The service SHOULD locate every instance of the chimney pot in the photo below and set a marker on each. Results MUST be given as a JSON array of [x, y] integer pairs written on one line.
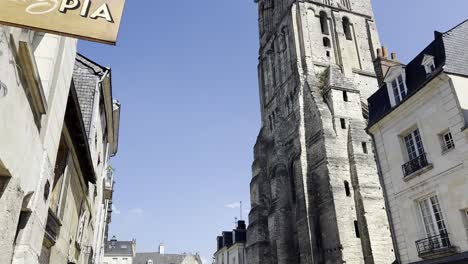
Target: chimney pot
[[379, 53], [385, 52], [394, 56], [161, 249]]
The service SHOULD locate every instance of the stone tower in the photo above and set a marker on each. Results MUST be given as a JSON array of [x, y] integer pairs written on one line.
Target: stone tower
[[315, 192]]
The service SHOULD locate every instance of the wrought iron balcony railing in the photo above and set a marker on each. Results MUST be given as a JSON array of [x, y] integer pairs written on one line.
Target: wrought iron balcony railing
[[414, 165], [433, 245]]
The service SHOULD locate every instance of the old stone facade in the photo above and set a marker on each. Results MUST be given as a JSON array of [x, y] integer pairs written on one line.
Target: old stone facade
[[419, 120], [54, 190], [315, 192]]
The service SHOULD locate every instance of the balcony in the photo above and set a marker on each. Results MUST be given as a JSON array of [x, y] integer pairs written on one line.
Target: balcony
[[435, 247], [415, 165]]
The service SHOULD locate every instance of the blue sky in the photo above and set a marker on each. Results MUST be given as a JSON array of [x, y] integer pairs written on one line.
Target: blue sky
[[185, 73]]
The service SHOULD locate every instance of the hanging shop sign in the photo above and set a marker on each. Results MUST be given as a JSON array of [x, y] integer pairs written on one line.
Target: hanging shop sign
[[95, 20]]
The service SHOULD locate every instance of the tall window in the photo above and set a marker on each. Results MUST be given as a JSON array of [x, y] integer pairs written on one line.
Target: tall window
[[347, 28], [432, 217], [399, 89], [324, 23], [414, 145]]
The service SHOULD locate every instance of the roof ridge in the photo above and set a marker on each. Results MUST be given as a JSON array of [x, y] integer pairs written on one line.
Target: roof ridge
[[453, 28]]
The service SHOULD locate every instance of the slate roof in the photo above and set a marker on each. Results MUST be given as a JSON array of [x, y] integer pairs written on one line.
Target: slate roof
[[450, 51], [142, 258], [121, 248], [86, 74]]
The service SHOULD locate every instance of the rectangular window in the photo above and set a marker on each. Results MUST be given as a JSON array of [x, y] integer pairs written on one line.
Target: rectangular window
[[447, 141], [399, 89], [432, 217], [356, 229], [343, 123], [413, 143], [345, 96], [364, 147]]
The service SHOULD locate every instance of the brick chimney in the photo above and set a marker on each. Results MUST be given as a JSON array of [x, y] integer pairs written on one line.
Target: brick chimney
[[383, 63]]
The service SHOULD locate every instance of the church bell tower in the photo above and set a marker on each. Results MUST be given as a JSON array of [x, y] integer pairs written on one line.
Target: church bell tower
[[315, 191]]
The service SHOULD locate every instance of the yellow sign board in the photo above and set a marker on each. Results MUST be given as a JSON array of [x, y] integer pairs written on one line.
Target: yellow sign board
[[95, 20]]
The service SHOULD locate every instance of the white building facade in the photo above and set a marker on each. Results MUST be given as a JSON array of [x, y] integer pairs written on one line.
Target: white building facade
[[231, 246], [418, 119]]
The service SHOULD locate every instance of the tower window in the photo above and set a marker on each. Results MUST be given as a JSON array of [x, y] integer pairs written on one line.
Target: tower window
[[324, 23], [347, 189], [326, 42], [345, 96], [343, 123], [328, 53], [356, 229], [364, 147], [347, 28]]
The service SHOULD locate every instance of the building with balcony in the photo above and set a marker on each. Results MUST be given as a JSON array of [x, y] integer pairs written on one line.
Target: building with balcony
[[418, 119], [231, 246]]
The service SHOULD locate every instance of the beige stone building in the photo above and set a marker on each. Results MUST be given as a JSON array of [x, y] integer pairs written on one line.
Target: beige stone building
[[418, 119], [56, 142], [315, 191]]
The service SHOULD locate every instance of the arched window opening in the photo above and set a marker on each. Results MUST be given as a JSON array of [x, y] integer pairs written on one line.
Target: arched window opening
[[326, 42], [347, 189], [324, 23], [347, 28]]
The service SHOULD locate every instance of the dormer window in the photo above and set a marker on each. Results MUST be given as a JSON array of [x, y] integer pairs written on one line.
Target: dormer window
[[399, 89], [428, 64], [396, 84]]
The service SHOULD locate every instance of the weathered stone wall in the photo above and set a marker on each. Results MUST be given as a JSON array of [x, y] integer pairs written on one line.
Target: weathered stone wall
[[311, 143], [28, 151]]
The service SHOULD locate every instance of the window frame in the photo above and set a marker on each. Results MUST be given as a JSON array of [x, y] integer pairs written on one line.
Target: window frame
[[447, 144], [434, 229], [396, 84], [414, 148]]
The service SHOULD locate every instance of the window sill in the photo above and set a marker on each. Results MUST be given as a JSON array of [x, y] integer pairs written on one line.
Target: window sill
[[445, 151], [418, 172]]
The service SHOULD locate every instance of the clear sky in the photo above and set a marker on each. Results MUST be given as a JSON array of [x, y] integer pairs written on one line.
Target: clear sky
[[185, 73]]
